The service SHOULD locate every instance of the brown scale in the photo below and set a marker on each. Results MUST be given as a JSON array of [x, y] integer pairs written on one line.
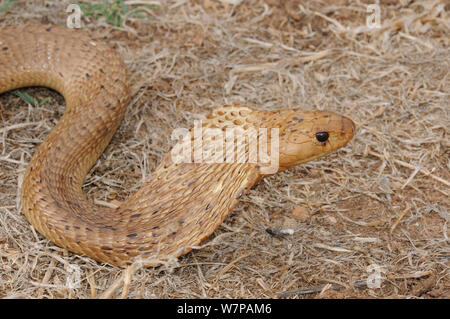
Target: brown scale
[[181, 204]]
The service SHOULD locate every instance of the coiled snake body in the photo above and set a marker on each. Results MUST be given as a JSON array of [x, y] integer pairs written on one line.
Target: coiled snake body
[[182, 203]]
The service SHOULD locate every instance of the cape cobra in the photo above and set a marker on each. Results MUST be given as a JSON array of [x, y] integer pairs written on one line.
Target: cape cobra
[[182, 203]]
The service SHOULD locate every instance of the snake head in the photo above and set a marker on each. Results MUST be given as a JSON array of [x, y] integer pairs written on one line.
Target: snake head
[[306, 135]]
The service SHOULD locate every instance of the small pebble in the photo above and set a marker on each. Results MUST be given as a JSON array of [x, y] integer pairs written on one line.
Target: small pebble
[[300, 213], [331, 219]]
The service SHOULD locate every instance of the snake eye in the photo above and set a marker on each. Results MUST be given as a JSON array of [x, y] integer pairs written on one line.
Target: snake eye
[[322, 136]]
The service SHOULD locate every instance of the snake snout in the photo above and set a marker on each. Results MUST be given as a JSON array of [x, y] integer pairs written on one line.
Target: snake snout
[[347, 129], [340, 130]]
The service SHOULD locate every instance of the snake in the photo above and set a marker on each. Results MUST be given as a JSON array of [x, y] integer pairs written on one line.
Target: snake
[[183, 202]]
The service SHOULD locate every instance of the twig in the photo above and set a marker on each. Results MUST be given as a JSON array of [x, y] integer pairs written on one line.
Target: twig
[[226, 268], [399, 219], [415, 275], [125, 279], [46, 278], [404, 164], [92, 285], [304, 291], [19, 126]]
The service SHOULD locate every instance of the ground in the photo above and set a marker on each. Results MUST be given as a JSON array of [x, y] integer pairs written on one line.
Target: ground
[[370, 221]]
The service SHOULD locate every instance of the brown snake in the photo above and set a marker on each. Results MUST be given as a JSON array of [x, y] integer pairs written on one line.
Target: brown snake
[[182, 203]]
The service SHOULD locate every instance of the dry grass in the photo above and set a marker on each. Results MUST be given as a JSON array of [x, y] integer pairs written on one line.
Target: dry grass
[[383, 200]]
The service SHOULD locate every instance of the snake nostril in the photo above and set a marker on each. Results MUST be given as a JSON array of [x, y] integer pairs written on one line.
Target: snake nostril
[[322, 136]]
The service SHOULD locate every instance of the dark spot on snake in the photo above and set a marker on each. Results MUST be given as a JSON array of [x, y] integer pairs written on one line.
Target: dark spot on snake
[[76, 227], [78, 242], [109, 227], [106, 248], [155, 212], [181, 221], [67, 227], [155, 234], [135, 216], [73, 204], [156, 227], [208, 206], [108, 105], [132, 235], [101, 71], [88, 75], [102, 86], [70, 180], [5, 48], [48, 29], [88, 229]]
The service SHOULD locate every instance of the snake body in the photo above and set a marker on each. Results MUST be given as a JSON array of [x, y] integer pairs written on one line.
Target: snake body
[[182, 203]]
